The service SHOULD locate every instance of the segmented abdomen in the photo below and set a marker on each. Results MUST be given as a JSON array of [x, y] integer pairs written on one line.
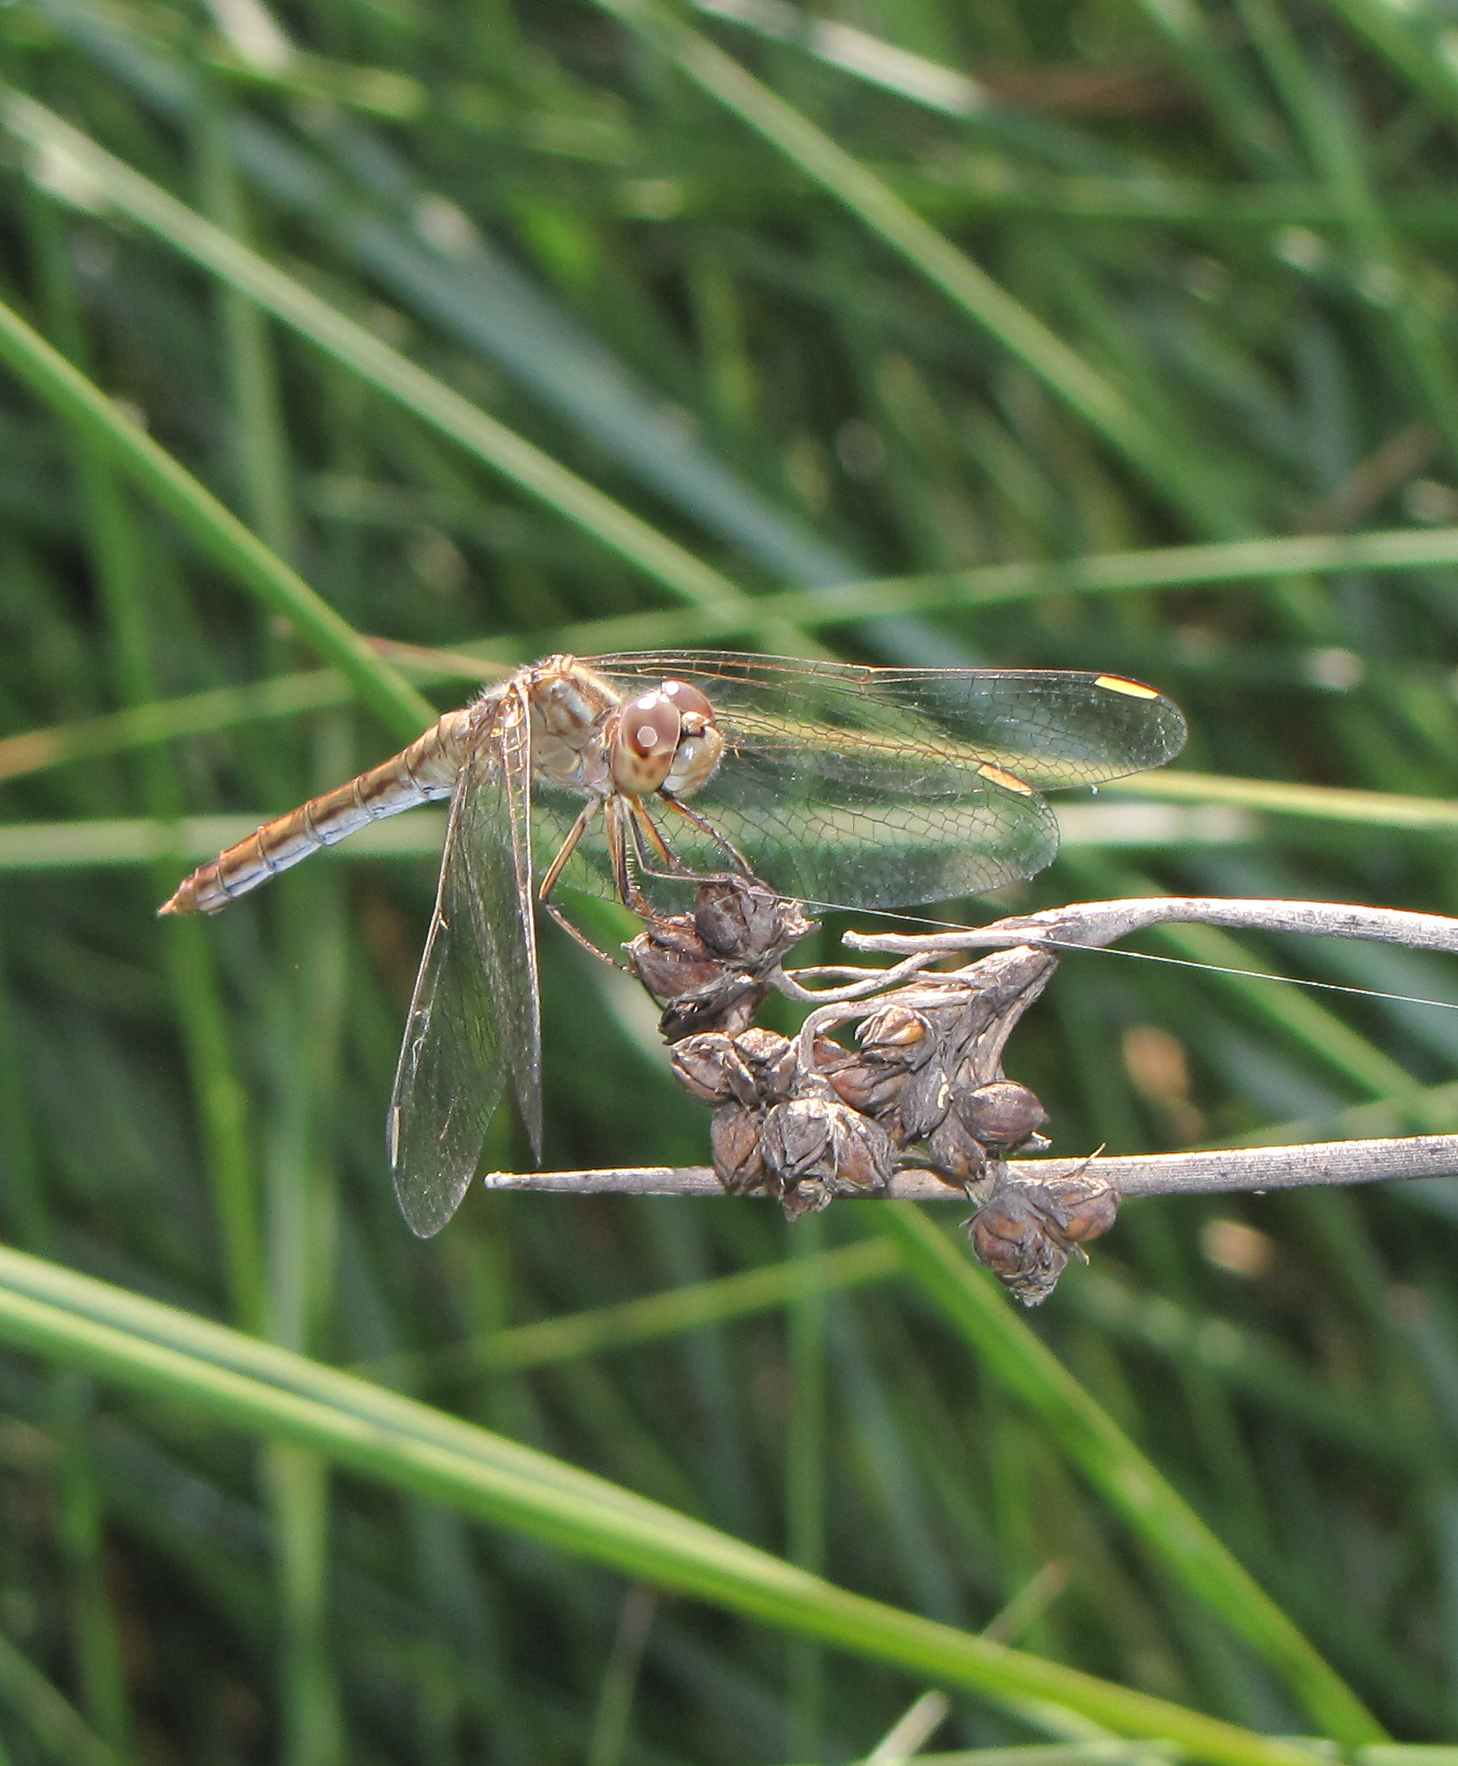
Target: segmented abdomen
[[426, 769]]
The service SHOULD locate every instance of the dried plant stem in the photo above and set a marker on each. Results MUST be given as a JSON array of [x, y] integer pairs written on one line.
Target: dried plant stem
[[1233, 1169], [1101, 922]]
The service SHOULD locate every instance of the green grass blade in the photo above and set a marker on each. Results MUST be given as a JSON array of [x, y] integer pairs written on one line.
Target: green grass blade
[[240, 1383], [219, 534], [1164, 1522]]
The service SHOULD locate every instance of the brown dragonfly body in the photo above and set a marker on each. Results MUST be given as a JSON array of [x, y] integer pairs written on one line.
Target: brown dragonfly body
[[840, 785], [574, 730]]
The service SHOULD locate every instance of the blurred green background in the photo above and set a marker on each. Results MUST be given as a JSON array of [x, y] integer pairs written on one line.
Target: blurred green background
[[1076, 335]]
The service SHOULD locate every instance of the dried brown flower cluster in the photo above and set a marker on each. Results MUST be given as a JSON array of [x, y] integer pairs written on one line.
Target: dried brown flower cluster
[[810, 1119]]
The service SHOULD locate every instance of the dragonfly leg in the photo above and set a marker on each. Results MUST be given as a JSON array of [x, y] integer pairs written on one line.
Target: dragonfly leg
[[676, 870], [568, 847], [554, 871], [581, 937], [631, 896], [646, 833], [705, 826], [645, 847]]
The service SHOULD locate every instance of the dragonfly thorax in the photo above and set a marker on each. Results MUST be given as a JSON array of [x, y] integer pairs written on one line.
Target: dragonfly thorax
[[571, 711]]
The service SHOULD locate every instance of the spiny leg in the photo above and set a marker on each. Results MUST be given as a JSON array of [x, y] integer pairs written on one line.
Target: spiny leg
[[705, 826], [554, 871], [629, 893], [677, 871], [568, 847]]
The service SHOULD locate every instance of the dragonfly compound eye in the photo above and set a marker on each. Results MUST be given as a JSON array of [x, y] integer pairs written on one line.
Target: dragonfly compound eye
[[689, 700], [695, 760], [648, 731], [700, 745]]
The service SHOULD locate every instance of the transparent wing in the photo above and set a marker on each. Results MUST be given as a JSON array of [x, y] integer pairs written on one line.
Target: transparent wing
[[924, 727], [888, 787], [474, 1012], [827, 843], [504, 902]]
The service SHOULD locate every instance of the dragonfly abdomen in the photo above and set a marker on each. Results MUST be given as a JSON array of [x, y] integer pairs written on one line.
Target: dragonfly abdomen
[[425, 770]]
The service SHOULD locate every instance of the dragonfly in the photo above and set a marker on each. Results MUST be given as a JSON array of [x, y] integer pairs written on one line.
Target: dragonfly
[[648, 772]]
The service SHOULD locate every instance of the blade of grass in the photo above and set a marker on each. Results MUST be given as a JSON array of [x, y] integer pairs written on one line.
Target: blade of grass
[[1414, 43], [42, 1716], [807, 1453], [1325, 118], [466, 288], [1158, 1516], [1175, 567], [102, 182], [127, 447], [114, 544], [296, 1483], [175, 1358], [573, 1335], [1176, 472]]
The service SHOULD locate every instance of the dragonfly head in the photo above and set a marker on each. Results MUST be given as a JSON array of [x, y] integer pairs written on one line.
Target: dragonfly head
[[666, 740]]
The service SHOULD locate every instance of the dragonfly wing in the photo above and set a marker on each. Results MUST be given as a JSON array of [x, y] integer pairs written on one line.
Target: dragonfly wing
[[474, 1014], [886, 787], [1051, 727], [502, 899], [833, 841], [823, 838]]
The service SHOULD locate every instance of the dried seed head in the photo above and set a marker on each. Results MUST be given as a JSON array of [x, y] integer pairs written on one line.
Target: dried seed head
[[1026, 1232], [770, 1062], [923, 1102], [797, 1141], [708, 1066], [735, 1134], [899, 1034], [747, 923], [670, 958], [698, 990], [727, 1004], [868, 1086], [707, 970], [1087, 1206], [865, 1155], [955, 1154], [1001, 1114], [1009, 1234], [819, 1140], [806, 1198]]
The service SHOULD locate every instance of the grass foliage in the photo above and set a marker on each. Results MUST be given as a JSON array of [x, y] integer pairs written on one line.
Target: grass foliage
[[1065, 335]]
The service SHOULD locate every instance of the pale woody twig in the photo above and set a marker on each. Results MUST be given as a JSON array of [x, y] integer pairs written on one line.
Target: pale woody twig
[[1097, 923], [1250, 1169]]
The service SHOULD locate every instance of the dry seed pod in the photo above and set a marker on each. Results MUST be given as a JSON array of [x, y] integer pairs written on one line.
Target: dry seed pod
[[1087, 1206], [923, 1102], [770, 1062], [1010, 1235], [699, 991], [747, 923], [806, 1198], [897, 1034], [736, 1136], [1026, 1231], [1002, 1114], [820, 1140], [868, 1086], [956, 1155], [670, 958], [709, 1068]]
